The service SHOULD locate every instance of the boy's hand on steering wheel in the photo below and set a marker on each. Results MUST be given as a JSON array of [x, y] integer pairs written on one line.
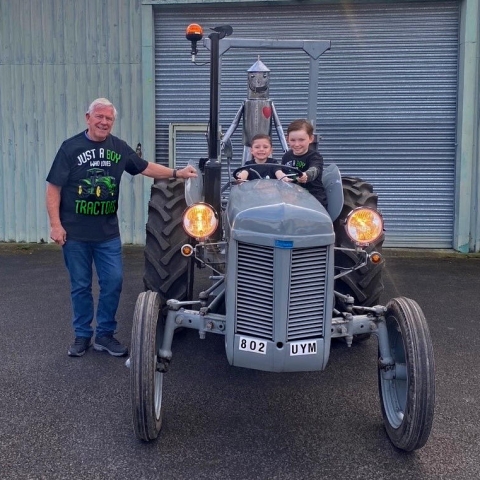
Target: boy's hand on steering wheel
[[302, 178], [241, 177]]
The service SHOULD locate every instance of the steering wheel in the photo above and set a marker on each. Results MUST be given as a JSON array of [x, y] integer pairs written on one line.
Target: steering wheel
[[293, 172], [290, 172]]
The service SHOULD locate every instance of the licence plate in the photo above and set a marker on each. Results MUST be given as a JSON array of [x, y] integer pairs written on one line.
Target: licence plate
[[303, 348], [254, 345]]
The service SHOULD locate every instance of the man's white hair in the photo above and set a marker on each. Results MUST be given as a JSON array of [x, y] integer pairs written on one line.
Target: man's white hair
[[101, 102]]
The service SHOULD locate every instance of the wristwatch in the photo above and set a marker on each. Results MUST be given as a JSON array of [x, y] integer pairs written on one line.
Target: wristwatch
[[174, 173]]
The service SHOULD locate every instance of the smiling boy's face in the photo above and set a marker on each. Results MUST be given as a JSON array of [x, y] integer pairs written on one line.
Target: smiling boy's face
[[261, 150], [299, 141]]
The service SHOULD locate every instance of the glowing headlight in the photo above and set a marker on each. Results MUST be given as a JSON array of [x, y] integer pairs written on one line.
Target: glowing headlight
[[200, 220], [364, 225]]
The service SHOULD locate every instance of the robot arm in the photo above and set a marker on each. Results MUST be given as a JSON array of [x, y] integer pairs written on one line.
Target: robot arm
[[233, 126], [279, 128]]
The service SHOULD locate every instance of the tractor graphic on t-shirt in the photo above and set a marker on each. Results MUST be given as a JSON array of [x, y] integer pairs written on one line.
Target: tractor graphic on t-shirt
[[97, 185]]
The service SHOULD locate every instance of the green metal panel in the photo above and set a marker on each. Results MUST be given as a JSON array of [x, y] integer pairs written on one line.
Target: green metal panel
[[55, 58]]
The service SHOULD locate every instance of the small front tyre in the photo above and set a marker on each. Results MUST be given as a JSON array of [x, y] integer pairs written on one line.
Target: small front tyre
[[146, 382], [407, 386]]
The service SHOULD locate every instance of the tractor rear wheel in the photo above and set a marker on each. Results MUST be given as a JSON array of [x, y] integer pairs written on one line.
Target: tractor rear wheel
[[102, 192], [167, 271], [365, 284]]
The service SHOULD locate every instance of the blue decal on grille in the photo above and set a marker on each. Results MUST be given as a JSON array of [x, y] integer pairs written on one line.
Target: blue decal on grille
[[283, 244]]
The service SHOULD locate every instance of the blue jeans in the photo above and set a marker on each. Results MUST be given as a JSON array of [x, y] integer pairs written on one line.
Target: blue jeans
[[107, 257]]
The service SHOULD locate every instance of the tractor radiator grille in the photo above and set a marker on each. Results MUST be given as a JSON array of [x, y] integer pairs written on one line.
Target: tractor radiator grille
[[255, 292], [306, 304]]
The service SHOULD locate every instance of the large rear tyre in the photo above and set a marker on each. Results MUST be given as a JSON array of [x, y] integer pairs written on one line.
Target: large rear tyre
[[365, 284], [167, 271], [407, 388], [146, 382]]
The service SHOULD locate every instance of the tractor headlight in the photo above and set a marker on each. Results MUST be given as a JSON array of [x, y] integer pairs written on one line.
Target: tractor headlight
[[364, 225], [200, 221]]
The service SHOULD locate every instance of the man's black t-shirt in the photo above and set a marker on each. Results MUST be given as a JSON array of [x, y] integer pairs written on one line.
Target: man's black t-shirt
[[303, 162], [89, 173]]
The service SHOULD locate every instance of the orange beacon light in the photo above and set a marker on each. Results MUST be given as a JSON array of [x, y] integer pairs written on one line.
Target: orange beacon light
[[194, 33]]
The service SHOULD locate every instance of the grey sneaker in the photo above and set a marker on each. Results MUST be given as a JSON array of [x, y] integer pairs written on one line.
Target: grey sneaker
[[79, 346], [110, 344]]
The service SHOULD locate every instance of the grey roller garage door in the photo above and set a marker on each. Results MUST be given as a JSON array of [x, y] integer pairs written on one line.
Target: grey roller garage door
[[386, 102]]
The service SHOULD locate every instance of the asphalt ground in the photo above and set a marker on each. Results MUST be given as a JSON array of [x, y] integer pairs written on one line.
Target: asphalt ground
[[63, 418]]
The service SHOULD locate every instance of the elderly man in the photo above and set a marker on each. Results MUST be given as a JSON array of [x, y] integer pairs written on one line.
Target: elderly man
[[82, 202]]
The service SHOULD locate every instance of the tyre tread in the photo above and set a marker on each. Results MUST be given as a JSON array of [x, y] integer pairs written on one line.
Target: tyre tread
[[142, 383], [166, 269], [416, 426], [365, 285]]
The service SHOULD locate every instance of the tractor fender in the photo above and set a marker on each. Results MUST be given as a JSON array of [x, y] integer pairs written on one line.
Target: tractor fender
[[332, 182], [194, 186]]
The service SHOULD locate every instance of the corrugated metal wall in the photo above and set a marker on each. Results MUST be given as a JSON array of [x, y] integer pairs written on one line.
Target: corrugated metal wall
[[387, 96], [56, 56]]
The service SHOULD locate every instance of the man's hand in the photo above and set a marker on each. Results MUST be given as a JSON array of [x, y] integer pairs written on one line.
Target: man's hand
[[58, 235], [155, 170], [57, 232], [187, 172]]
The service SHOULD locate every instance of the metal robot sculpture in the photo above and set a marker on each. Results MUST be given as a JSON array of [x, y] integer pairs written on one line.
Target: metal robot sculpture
[[258, 111]]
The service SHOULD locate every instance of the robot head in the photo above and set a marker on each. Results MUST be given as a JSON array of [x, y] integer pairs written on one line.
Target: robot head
[[258, 80]]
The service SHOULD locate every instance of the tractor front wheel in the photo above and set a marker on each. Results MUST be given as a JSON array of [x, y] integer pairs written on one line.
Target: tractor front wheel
[[146, 381], [83, 192], [407, 383]]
